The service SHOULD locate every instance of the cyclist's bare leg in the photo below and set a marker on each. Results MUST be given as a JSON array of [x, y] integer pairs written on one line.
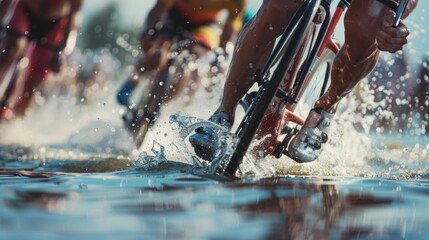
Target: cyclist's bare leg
[[22, 95], [185, 80], [155, 58], [38, 69], [360, 51], [12, 48], [253, 47], [358, 56]]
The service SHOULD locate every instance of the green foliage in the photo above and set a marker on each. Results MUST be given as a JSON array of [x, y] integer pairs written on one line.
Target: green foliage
[[102, 31]]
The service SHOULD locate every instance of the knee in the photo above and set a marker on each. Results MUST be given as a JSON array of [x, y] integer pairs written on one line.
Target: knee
[[153, 59], [362, 23], [275, 14]]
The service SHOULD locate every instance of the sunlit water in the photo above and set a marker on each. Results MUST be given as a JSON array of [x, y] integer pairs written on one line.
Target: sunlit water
[[69, 170]]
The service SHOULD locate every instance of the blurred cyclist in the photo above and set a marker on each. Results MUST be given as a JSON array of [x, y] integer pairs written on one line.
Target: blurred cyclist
[[196, 21], [4, 7], [368, 30], [43, 31]]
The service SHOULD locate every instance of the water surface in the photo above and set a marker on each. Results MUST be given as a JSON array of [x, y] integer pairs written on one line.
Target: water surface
[[115, 198]]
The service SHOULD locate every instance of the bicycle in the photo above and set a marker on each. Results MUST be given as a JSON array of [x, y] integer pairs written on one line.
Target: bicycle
[[296, 74], [139, 118], [18, 73], [143, 115]]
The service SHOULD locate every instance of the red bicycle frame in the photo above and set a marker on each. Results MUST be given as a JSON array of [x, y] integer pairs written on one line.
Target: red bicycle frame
[[280, 111]]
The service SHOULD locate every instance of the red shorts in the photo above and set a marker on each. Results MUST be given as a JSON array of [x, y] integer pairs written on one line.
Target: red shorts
[[50, 37]]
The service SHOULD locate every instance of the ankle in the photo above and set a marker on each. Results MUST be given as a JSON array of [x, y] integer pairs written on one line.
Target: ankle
[[222, 118]]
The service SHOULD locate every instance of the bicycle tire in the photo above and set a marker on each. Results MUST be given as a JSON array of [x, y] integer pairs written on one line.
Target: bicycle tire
[[150, 104], [296, 30], [316, 83], [314, 86]]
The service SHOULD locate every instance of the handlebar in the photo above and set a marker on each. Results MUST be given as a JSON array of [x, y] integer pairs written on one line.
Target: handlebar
[[398, 8], [401, 9]]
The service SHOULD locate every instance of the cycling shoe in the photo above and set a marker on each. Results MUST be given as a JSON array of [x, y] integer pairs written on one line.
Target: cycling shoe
[[205, 143], [205, 140], [124, 94], [307, 144]]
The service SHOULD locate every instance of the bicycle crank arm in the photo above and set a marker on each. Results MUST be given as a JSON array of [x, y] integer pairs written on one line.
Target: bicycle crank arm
[[282, 147]]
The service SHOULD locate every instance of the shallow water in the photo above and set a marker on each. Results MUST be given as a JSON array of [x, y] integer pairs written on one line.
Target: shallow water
[[171, 203], [69, 191], [81, 178]]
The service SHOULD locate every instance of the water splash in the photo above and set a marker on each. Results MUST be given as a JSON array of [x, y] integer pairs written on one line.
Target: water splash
[[92, 127]]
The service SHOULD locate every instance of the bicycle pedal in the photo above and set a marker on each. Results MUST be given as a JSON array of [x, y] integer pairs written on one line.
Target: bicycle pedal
[[282, 147]]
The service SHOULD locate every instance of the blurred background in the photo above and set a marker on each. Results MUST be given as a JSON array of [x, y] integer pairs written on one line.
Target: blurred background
[[393, 99], [397, 101], [125, 17], [107, 22]]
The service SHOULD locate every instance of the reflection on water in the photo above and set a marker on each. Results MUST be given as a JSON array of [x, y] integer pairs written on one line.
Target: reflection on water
[[138, 204]]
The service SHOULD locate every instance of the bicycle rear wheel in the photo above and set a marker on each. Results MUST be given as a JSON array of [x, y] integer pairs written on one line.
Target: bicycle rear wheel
[[149, 106], [296, 32]]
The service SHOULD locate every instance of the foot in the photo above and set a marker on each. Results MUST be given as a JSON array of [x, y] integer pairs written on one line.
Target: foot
[[205, 141], [124, 94], [307, 144]]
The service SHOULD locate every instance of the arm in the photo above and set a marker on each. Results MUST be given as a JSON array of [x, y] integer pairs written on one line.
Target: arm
[[154, 22]]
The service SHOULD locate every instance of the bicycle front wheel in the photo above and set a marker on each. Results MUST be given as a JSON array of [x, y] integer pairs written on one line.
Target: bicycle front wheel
[[150, 104], [296, 32], [315, 84]]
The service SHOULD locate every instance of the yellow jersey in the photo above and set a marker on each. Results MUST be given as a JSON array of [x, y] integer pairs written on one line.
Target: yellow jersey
[[196, 11]]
